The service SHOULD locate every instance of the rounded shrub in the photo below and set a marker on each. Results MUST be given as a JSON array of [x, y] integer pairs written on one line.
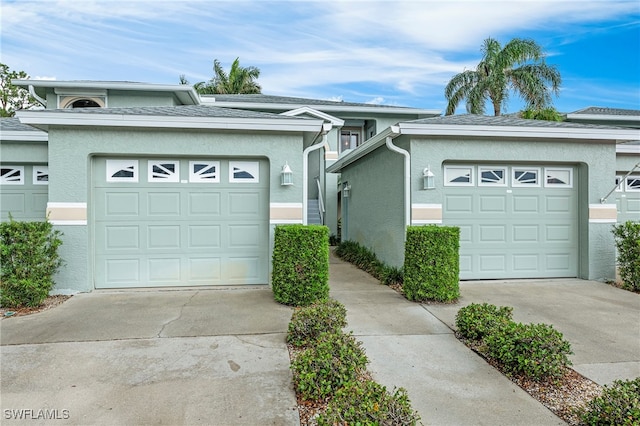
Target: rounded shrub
[[619, 404], [369, 403], [475, 321], [300, 274], [536, 351], [308, 322], [335, 360]]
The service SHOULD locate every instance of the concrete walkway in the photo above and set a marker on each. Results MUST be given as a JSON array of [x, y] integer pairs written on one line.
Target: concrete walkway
[[218, 356]]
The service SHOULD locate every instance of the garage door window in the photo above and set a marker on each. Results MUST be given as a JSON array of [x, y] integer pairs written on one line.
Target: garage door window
[[632, 183], [529, 177], [458, 176], [493, 176], [122, 171], [41, 175], [244, 171], [12, 175], [204, 171], [558, 178], [164, 171]]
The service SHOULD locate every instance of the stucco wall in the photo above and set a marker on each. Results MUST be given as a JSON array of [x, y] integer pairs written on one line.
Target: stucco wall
[[374, 212], [23, 152], [71, 150]]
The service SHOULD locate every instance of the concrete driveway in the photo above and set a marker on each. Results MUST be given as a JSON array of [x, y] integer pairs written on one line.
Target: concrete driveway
[[150, 357]]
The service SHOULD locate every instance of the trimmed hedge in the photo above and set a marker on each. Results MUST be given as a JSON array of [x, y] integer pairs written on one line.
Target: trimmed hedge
[[28, 260], [300, 274], [627, 237], [432, 263], [619, 404]]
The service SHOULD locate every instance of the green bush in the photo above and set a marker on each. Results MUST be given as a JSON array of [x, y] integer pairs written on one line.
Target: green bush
[[536, 351], [476, 321], [28, 260], [432, 263], [369, 403], [335, 360], [308, 322], [300, 274], [627, 236], [365, 259], [619, 404]]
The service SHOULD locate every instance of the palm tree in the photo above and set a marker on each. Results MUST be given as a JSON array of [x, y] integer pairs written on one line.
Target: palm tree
[[238, 80], [496, 75]]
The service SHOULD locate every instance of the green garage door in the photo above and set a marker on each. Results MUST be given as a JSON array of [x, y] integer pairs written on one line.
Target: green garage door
[[628, 198], [515, 221], [24, 191], [180, 222]]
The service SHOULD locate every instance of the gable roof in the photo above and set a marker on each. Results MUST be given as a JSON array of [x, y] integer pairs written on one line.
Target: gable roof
[[496, 128], [12, 129], [283, 103], [607, 111], [182, 116]]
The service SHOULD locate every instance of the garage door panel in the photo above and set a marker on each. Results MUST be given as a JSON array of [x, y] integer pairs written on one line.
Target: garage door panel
[[560, 262], [204, 204], [492, 263], [526, 262], [493, 204], [558, 204], [16, 204], [525, 204], [493, 233], [180, 233], [559, 233], [526, 233], [24, 192]]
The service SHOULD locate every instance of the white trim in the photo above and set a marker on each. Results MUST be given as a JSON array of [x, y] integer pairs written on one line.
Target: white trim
[[603, 117], [472, 175], [63, 205], [113, 165], [250, 167], [559, 185], [488, 168], [628, 148], [627, 188], [68, 222], [314, 112], [427, 222], [172, 178], [24, 136], [19, 168], [603, 206], [426, 206], [195, 177], [603, 220], [515, 183], [286, 205], [34, 173], [285, 221]]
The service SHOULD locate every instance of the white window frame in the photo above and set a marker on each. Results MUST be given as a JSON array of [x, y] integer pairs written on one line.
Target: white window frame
[[627, 188], [114, 165], [252, 167], [505, 176], [516, 183], [618, 183], [558, 185], [470, 169], [195, 177], [43, 170], [352, 131], [172, 178], [20, 181]]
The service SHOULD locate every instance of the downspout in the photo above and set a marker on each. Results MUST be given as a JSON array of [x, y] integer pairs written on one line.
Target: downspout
[[305, 168], [33, 94], [395, 132]]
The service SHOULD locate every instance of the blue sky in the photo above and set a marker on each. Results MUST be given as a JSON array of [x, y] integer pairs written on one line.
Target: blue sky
[[386, 52]]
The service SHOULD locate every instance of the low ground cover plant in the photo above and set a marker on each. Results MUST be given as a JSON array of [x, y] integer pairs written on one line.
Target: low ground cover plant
[[300, 274], [369, 403], [365, 259], [307, 323], [627, 238], [476, 321], [619, 404], [332, 362], [28, 261]]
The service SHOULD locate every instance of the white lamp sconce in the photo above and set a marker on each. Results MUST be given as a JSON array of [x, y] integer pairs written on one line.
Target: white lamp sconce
[[286, 175], [346, 190], [428, 179]]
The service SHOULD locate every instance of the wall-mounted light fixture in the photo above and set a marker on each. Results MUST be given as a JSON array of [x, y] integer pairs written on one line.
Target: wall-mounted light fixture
[[286, 175], [346, 190], [428, 179]]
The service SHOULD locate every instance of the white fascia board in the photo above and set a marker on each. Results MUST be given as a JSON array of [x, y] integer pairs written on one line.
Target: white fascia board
[[315, 113], [325, 108], [519, 132], [628, 149], [603, 117], [34, 136], [173, 122], [182, 91], [369, 145]]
